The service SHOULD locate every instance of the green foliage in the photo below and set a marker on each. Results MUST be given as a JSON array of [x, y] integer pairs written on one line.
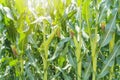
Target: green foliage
[[59, 39]]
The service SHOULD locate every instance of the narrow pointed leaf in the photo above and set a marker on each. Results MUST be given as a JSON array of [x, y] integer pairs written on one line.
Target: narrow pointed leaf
[[109, 31], [109, 60]]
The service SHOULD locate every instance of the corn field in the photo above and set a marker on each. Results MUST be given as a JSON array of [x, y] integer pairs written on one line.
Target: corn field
[[59, 39]]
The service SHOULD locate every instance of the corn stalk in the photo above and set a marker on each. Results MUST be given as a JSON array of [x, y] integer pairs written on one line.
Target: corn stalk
[[111, 46]]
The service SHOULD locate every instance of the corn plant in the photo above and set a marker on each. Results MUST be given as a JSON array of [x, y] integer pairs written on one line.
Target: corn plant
[[59, 39]]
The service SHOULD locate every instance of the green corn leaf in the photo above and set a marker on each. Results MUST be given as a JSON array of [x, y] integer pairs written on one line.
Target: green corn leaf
[[59, 48], [13, 62], [118, 60], [104, 7], [65, 76], [109, 31], [61, 61], [86, 11], [20, 5], [71, 59], [8, 13], [12, 33], [29, 74], [55, 76], [51, 36], [41, 19], [48, 41], [109, 61], [87, 72], [68, 16]]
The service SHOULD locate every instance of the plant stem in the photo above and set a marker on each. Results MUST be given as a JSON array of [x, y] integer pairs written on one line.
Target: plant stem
[[21, 61], [94, 55], [78, 56], [45, 47], [45, 56], [79, 69], [111, 46], [45, 68], [94, 46], [21, 66]]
